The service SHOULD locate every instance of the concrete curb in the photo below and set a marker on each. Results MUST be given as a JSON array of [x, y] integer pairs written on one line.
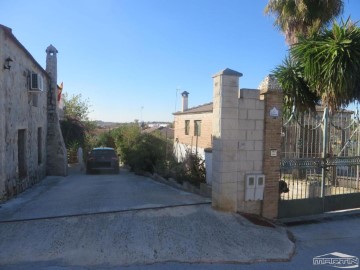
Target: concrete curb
[[318, 218], [204, 190]]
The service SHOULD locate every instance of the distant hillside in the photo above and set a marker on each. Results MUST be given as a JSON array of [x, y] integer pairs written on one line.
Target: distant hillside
[[102, 124]]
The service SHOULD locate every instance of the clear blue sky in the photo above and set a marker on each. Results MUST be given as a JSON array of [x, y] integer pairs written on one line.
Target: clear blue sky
[[123, 55]]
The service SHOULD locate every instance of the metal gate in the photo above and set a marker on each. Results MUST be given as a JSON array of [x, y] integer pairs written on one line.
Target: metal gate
[[320, 163]]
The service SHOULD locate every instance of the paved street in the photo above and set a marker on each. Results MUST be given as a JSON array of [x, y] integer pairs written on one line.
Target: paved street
[[109, 221], [131, 222], [80, 194]]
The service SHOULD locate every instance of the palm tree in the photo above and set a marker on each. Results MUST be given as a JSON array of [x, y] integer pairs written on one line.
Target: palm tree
[[330, 61], [295, 89], [302, 17]]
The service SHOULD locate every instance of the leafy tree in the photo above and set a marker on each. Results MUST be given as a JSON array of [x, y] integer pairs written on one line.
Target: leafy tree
[[73, 132], [76, 107], [106, 139], [142, 151], [125, 138], [303, 17], [76, 127]]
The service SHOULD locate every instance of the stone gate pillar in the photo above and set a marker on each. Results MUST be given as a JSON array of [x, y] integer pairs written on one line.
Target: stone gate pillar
[[56, 150], [2, 130], [273, 99], [225, 142]]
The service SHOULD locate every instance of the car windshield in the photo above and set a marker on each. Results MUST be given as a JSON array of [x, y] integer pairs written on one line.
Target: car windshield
[[103, 153]]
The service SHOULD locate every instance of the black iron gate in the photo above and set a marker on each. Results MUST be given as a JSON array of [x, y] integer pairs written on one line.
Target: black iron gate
[[320, 163]]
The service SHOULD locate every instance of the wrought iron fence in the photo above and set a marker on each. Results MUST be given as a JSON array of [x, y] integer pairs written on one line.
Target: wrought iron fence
[[320, 154]]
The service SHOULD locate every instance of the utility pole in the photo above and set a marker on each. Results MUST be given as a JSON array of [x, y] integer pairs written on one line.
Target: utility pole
[[324, 153], [176, 92]]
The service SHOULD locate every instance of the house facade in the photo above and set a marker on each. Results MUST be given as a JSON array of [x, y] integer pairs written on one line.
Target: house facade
[[193, 129], [31, 144]]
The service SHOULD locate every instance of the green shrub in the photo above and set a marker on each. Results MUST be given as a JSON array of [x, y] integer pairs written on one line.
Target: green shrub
[[152, 152], [191, 169], [141, 151], [105, 139]]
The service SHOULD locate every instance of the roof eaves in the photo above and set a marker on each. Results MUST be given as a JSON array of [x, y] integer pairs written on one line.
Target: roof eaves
[[196, 109], [189, 112]]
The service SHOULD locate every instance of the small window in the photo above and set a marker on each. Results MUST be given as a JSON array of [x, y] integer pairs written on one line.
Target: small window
[[36, 82], [187, 127], [197, 128]]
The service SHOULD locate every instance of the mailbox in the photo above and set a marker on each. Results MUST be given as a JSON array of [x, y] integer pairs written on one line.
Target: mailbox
[[254, 187]]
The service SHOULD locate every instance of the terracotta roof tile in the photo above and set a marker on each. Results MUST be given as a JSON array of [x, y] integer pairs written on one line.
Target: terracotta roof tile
[[208, 107]]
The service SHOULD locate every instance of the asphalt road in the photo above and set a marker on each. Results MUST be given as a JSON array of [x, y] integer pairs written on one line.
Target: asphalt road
[[80, 194], [125, 220], [341, 234]]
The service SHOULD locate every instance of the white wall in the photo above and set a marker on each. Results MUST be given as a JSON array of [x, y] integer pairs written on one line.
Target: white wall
[[181, 149]]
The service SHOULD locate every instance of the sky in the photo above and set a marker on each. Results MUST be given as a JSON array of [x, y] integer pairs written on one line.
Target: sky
[[131, 59]]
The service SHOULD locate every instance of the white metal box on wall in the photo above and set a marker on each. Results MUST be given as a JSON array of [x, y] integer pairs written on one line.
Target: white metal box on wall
[[259, 187], [254, 187], [250, 187]]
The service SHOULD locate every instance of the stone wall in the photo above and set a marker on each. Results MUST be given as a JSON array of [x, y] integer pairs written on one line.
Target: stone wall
[[225, 140], [20, 109], [246, 134], [2, 117], [238, 123], [250, 150], [30, 135]]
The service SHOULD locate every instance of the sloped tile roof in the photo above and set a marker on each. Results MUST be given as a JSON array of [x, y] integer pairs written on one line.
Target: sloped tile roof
[[208, 107]]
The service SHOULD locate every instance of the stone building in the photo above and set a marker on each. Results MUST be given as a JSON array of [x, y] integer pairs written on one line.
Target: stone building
[[31, 143]]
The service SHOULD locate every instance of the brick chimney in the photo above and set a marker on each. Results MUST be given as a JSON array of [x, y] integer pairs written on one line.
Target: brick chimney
[[185, 96]]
